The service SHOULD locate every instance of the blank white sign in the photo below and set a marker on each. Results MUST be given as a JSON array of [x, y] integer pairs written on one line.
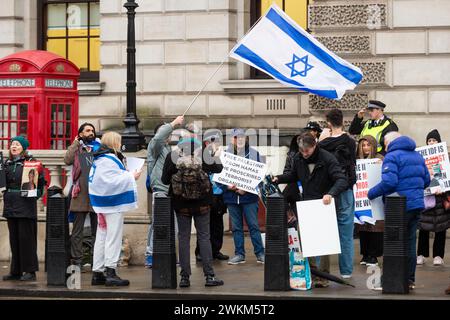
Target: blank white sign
[[319, 233]]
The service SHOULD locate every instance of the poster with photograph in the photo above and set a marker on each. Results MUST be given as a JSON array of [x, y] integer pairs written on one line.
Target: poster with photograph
[[436, 159], [30, 176]]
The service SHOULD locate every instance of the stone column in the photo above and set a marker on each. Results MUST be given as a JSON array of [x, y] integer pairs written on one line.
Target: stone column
[[55, 175]]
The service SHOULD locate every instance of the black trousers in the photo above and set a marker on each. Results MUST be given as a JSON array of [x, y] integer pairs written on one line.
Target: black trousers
[[423, 248], [23, 242], [201, 222], [371, 243], [217, 211], [76, 238]]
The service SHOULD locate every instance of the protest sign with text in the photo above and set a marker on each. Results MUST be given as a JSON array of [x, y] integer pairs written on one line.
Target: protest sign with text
[[436, 160], [368, 174], [245, 174]]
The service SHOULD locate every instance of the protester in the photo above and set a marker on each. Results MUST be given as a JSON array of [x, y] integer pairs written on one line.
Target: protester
[[211, 145], [191, 192], [343, 147], [435, 218], [370, 236], [404, 172], [82, 147], [112, 192], [321, 176], [157, 151], [378, 125], [21, 214], [243, 204], [314, 128]]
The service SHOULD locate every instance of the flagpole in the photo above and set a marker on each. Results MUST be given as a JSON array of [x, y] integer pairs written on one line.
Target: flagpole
[[218, 68], [204, 86]]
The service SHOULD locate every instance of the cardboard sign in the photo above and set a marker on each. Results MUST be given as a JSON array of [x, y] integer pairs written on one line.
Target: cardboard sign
[[436, 159], [368, 175], [318, 228], [244, 173], [30, 177]]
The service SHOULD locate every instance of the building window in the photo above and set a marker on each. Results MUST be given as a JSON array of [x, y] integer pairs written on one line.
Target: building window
[[296, 9], [72, 29], [13, 122]]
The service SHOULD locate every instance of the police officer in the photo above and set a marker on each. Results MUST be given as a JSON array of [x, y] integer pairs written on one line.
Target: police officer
[[378, 125]]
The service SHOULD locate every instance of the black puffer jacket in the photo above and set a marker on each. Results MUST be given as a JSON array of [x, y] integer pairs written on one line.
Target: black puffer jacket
[[14, 205], [327, 176], [436, 219]]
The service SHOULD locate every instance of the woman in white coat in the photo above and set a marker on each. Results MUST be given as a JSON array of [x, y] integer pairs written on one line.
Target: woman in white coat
[[112, 192]]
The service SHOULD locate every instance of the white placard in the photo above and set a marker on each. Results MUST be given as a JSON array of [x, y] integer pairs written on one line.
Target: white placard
[[318, 228], [436, 159], [244, 173], [368, 175], [135, 164]]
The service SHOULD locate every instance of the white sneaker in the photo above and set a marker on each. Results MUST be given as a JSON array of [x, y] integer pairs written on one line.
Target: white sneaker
[[420, 260], [346, 276], [438, 261]]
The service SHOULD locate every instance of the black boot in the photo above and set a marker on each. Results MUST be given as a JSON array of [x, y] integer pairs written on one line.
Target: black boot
[[12, 277], [28, 276], [212, 281], [98, 279], [112, 279], [184, 282]]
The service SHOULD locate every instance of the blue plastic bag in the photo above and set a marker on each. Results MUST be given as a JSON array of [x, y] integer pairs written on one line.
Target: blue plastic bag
[[300, 272]]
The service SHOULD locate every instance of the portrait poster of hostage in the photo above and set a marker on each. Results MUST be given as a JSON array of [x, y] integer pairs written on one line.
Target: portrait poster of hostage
[[30, 175]]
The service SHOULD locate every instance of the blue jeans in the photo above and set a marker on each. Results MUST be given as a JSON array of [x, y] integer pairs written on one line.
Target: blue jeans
[[413, 219], [250, 212], [345, 208]]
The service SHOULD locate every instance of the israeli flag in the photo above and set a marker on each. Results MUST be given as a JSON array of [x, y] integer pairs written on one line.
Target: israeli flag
[[112, 189], [278, 46]]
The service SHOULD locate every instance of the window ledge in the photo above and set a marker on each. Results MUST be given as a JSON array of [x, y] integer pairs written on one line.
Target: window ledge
[[257, 86], [90, 88]]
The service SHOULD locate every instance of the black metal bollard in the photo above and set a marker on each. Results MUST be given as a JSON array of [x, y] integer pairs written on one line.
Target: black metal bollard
[[276, 267], [395, 242], [164, 270], [57, 238]]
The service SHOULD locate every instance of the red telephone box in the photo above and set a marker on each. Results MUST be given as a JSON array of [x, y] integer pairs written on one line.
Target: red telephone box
[[38, 99]]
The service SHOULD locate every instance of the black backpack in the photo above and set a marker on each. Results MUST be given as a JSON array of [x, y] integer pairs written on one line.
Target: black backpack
[[190, 182]]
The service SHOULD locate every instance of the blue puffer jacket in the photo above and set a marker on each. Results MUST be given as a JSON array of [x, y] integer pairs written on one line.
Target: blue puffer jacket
[[404, 172], [231, 197]]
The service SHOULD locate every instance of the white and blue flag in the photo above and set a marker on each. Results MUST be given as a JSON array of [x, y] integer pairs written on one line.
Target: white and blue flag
[[278, 46], [112, 188]]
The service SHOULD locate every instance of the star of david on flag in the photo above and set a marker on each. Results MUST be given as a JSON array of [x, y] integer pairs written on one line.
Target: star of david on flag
[[278, 46], [295, 60]]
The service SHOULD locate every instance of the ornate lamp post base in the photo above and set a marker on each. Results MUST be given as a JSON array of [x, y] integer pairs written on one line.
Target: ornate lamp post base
[[132, 138]]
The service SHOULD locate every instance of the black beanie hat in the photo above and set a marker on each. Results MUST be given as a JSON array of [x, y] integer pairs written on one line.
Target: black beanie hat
[[434, 134]]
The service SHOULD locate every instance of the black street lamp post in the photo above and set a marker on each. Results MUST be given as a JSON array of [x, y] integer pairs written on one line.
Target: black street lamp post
[[132, 137]]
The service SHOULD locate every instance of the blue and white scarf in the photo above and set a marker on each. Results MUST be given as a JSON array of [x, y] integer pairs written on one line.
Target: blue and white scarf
[[112, 188]]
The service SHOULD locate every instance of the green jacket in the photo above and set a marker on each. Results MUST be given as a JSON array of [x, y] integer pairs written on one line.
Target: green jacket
[[157, 151]]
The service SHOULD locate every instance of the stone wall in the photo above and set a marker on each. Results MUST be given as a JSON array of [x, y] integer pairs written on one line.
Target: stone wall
[[403, 49]]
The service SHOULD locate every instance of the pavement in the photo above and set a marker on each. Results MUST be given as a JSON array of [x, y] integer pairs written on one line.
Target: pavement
[[244, 281]]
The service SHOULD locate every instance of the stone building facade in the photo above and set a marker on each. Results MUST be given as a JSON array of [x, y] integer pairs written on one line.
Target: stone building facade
[[402, 47]]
